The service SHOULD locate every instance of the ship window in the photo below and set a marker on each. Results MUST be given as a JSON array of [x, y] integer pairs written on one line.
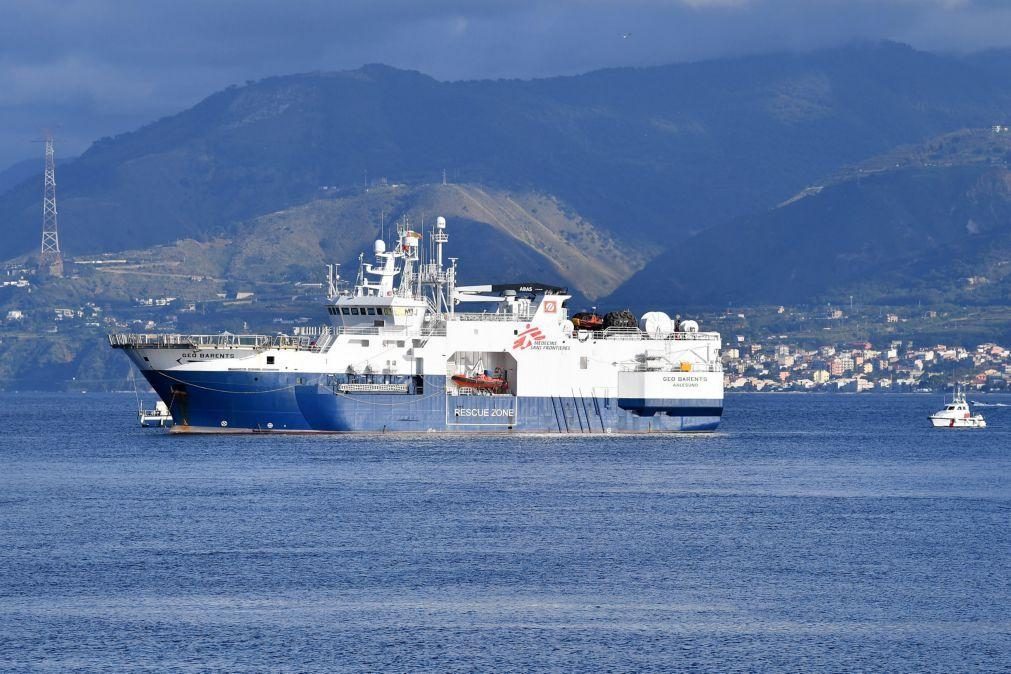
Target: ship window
[[371, 311], [354, 311], [584, 362], [270, 360], [388, 311], [345, 311]]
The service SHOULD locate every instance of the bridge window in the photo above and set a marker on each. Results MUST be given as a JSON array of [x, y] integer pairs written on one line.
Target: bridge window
[[371, 311], [345, 311], [354, 311]]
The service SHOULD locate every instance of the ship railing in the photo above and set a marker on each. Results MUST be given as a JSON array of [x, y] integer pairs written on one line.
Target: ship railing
[[504, 317], [672, 367], [636, 333], [175, 341], [392, 331]]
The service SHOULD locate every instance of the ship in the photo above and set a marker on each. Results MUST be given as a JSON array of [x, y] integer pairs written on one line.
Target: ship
[[408, 349], [957, 414]]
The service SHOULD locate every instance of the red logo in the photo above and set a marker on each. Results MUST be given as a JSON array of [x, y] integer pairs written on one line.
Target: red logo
[[528, 337], [550, 306]]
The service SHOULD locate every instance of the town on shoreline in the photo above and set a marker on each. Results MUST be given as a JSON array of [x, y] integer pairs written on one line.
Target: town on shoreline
[[858, 367]]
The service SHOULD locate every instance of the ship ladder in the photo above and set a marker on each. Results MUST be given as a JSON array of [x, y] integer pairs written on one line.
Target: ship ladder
[[586, 412], [579, 417], [600, 417], [580, 402], [322, 342], [564, 417]]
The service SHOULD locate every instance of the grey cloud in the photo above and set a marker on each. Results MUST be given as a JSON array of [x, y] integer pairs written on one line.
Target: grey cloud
[[103, 66]]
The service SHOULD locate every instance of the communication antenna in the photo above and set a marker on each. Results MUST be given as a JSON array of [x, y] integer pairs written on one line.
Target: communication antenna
[[50, 257]]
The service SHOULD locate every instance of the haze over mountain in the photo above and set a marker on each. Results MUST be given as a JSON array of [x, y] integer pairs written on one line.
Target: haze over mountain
[[644, 158], [24, 170]]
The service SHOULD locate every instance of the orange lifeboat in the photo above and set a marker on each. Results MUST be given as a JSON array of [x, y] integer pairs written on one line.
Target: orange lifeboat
[[587, 320], [482, 382]]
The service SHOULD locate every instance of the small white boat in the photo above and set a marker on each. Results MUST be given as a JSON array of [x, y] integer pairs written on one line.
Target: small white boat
[[957, 414], [159, 416]]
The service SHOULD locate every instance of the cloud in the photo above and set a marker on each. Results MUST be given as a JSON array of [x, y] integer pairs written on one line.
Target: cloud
[[99, 64]]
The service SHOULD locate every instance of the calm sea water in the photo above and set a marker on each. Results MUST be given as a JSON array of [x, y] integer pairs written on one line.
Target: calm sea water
[[810, 533]]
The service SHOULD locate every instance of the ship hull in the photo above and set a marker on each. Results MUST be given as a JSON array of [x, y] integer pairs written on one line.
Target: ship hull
[[243, 402]]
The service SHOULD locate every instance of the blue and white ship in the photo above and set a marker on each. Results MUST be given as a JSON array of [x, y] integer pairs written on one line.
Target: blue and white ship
[[402, 353]]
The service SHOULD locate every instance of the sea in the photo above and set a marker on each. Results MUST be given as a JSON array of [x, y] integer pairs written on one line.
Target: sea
[[810, 533]]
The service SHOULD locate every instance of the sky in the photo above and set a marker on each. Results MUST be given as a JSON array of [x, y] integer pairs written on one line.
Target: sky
[[91, 68]]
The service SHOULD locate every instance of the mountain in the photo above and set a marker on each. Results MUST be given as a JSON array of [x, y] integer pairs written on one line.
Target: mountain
[[929, 223], [649, 156], [500, 236], [25, 170]]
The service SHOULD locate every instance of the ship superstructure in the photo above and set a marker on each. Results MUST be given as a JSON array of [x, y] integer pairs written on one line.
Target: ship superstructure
[[408, 349]]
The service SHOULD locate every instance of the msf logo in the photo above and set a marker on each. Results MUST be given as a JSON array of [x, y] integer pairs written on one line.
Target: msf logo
[[528, 337]]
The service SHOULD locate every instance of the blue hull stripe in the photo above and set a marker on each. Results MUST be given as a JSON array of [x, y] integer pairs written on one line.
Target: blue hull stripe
[[301, 402]]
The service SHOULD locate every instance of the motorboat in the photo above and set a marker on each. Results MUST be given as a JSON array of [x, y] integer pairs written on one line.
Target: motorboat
[[158, 417], [956, 414]]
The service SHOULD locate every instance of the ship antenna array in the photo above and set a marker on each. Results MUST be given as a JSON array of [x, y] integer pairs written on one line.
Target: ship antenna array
[[50, 257], [333, 279]]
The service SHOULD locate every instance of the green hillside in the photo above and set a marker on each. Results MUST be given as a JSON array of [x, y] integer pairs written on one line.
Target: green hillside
[[647, 154], [922, 224]]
